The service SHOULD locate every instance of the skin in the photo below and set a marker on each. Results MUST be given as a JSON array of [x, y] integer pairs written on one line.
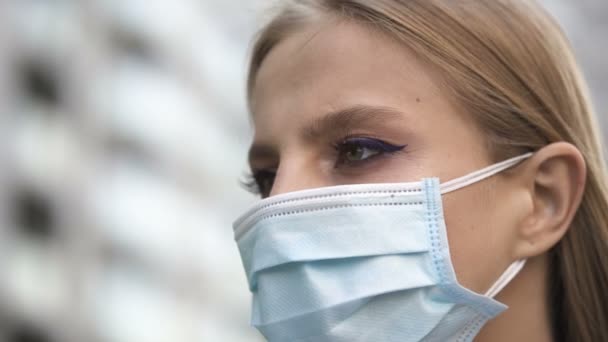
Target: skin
[[331, 65]]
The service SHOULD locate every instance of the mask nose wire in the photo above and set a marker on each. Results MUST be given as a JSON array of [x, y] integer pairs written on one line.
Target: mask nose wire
[[477, 176]]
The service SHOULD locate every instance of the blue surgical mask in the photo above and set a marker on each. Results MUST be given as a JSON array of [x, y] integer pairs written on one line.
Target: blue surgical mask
[[368, 262]]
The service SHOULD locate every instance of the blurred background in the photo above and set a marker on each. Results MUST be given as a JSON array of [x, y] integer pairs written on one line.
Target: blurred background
[[124, 133]]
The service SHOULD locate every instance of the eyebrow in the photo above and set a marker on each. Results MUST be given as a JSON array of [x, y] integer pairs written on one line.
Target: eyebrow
[[345, 120], [339, 122]]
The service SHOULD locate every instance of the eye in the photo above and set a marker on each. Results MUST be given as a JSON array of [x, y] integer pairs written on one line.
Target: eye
[[260, 182], [352, 151]]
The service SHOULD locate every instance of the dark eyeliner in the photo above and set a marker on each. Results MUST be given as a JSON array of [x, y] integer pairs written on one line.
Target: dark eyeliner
[[350, 144], [375, 144]]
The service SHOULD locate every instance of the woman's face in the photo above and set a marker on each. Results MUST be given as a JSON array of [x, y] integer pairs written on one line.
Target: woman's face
[[337, 103]]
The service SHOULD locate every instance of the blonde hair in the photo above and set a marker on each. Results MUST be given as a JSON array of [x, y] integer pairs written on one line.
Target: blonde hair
[[508, 64]]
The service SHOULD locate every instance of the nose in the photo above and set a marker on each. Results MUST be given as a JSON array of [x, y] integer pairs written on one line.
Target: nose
[[295, 176]]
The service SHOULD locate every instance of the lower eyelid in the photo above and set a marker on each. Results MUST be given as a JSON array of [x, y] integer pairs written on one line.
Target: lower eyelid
[[351, 172], [354, 165]]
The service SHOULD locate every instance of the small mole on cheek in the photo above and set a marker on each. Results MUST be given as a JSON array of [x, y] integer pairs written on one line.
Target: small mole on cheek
[[418, 100]]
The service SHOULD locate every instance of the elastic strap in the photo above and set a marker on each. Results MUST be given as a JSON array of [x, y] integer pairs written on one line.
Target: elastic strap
[[482, 174], [478, 176], [506, 278]]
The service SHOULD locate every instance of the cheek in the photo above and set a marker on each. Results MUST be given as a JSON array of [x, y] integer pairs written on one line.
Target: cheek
[[478, 228]]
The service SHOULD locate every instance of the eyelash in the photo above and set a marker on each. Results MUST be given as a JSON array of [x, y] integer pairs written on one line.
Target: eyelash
[[253, 182], [249, 183], [381, 148]]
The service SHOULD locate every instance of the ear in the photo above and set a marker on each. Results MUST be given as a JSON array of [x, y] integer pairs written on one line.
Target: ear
[[555, 179]]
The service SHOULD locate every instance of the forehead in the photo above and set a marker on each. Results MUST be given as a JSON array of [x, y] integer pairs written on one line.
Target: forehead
[[333, 63], [329, 66]]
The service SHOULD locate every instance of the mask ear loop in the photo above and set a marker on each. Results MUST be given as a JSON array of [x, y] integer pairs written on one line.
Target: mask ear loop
[[482, 174], [478, 176], [506, 278]]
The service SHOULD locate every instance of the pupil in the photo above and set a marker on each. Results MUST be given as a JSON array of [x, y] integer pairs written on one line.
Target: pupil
[[355, 153]]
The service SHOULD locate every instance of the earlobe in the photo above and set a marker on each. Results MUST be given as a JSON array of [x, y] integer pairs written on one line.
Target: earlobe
[[556, 180]]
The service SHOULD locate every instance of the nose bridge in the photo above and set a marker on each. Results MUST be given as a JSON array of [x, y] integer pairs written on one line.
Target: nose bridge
[[298, 173]]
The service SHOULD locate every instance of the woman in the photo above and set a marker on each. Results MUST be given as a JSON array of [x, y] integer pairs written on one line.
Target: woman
[[385, 129]]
